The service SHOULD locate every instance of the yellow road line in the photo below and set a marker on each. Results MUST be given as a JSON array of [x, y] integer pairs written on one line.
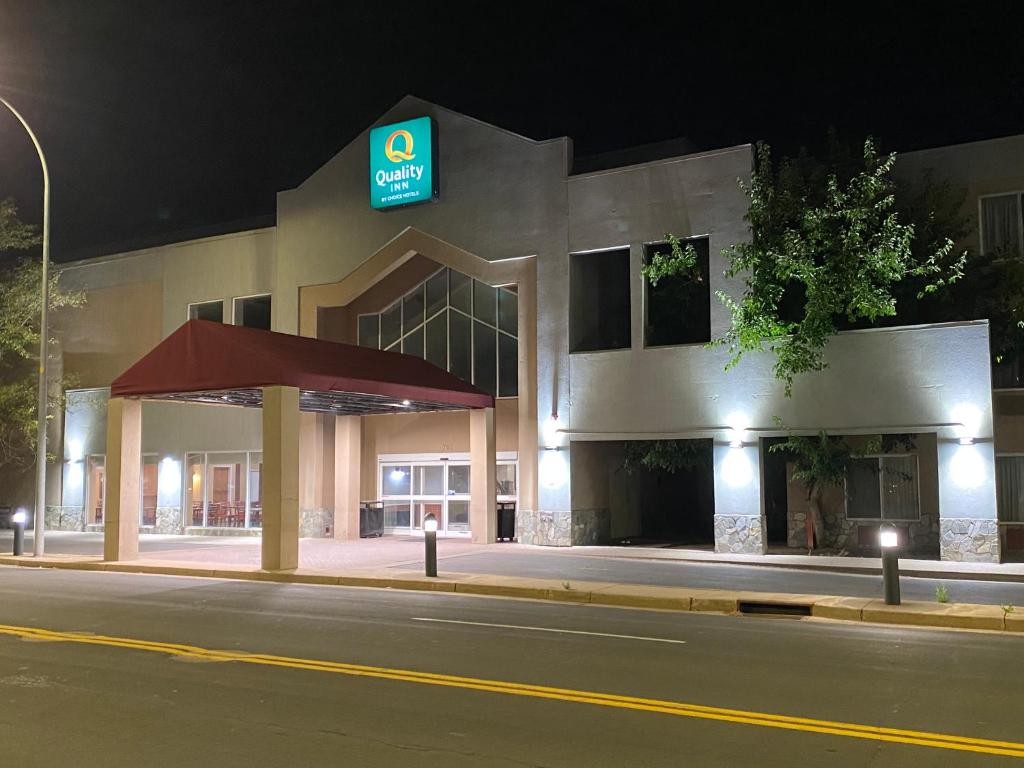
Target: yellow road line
[[678, 709]]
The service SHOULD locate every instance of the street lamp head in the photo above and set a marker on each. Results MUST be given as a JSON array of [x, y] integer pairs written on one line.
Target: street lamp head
[[430, 523], [20, 517], [888, 538]]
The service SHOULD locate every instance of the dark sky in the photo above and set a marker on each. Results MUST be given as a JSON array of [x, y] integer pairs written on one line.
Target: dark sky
[[164, 117]]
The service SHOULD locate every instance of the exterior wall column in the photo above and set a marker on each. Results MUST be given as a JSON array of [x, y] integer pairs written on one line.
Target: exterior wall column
[[280, 478], [124, 479], [483, 490], [348, 455], [968, 525], [740, 526]]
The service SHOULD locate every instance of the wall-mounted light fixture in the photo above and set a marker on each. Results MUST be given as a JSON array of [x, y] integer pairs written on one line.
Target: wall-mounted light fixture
[[738, 425], [550, 432]]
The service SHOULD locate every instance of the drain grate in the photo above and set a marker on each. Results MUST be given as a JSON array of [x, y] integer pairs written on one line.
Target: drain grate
[[774, 609]]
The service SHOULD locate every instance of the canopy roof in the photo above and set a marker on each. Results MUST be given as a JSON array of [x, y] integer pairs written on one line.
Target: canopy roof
[[212, 362]]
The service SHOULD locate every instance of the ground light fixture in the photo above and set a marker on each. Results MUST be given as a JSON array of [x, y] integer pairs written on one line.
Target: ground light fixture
[[889, 539], [18, 520], [430, 544]]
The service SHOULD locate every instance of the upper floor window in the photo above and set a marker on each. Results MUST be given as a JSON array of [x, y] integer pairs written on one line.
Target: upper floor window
[[678, 308], [207, 310], [1002, 224], [883, 488], [469, 328], [599, 300], [253, 311]]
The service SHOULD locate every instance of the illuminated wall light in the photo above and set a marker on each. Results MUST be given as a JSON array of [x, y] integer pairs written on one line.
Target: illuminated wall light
[[736, 469], [553, 470], [967, 467], [968, 418], [550, 432], [75, 450], [738, 424]]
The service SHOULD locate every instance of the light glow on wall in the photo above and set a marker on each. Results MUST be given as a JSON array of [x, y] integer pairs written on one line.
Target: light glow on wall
[[170, 476], [75, 450], [738, 424], [76, 474], [967, 467], [736, 469], [553, 470], [969, 417], [550, 434]]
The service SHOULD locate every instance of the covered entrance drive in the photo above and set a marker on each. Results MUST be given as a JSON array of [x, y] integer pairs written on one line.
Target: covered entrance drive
[[232, 366]]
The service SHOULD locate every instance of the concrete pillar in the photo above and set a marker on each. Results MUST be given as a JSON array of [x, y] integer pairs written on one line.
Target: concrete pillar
[[123, 478], [483, 490], [280, 478], [348, 455], [968, 526], [739, 515]]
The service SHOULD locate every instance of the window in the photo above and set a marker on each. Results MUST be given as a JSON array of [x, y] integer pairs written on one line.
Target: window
[[95, 487], [224, 490], [678, 308], [207, 310], [457, 323], [883, 488], [1001, 224], [253, 312], [599, 301], [150, 475], [1010, 488]]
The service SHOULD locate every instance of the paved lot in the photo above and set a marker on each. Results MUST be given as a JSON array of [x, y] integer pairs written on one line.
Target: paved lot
[[461, 556], [129, 706]]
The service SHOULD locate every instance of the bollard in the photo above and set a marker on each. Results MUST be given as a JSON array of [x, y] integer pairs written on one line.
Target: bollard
[[430, 541], [18, 524], [889, 539]]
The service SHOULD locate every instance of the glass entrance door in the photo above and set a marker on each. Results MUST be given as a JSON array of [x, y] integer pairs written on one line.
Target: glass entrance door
[[412, 490]]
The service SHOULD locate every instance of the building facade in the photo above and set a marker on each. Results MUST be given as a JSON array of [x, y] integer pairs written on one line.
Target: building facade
[[522, 275]]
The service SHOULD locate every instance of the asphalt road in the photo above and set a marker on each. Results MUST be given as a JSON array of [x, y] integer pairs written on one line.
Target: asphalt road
[[87, 700]]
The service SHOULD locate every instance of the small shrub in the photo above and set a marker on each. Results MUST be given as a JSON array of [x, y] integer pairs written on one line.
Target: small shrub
[[941, 594]]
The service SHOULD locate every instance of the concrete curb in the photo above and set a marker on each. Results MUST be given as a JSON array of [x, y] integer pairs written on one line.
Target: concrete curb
[[916, 614]]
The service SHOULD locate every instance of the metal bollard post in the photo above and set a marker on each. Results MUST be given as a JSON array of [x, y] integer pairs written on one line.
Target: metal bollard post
[[889, 539], [430, 541], [18, 524]]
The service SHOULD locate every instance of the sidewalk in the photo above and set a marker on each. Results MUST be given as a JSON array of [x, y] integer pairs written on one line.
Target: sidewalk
[[920, 614]]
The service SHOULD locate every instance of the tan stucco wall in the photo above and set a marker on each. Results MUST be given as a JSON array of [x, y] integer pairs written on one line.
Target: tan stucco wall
[[431, 433], [115, 327]]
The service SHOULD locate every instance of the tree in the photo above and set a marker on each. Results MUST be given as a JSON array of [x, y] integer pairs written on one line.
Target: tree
[[669, 456], [828, 249], [20, 304]]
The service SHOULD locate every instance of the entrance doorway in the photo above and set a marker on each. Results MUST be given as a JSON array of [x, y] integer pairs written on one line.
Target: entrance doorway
[[412, 487]]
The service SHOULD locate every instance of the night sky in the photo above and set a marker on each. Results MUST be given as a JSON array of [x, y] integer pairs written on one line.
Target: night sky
[[164, 118]]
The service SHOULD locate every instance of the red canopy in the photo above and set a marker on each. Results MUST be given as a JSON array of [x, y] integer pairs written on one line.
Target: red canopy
[[213, 362]]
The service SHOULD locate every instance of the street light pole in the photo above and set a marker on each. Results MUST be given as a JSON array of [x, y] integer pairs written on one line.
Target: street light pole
[[40, 514]]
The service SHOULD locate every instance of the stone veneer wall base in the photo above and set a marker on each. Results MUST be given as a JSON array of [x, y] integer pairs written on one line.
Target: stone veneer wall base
[[544, 528], [969, 540], [65, 518], [316, 523], [740, 534]]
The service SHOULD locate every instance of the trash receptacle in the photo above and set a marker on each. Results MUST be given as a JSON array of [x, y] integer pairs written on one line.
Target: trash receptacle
[[506, 520], [371, 519]]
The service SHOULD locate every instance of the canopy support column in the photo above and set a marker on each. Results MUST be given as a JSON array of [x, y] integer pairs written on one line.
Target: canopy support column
[[124, 478], [348, 454], [281, 478], [483, 498]]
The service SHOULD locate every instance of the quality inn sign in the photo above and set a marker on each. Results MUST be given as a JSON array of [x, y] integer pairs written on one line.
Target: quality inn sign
[[403, 167]]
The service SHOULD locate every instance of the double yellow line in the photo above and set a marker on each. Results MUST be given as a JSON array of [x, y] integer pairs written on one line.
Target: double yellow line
[[767, 720]]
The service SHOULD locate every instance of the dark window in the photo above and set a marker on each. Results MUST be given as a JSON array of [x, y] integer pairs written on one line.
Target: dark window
[[508, 311], [413, 343], [253, 312], [412, 310], [599, 300], [208, 310], [459, 350], [460, 292], [484, 302], [437, 341], [508, 366], [437, 293], [369, 331], [485, 360], [679, 307], [391, 325]]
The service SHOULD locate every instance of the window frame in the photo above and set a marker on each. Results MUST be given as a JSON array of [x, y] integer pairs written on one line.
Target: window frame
[[188, 309], [881, 498], [236, 299], [627, 248], [186, 509], [645, 300], [1019, 195]]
